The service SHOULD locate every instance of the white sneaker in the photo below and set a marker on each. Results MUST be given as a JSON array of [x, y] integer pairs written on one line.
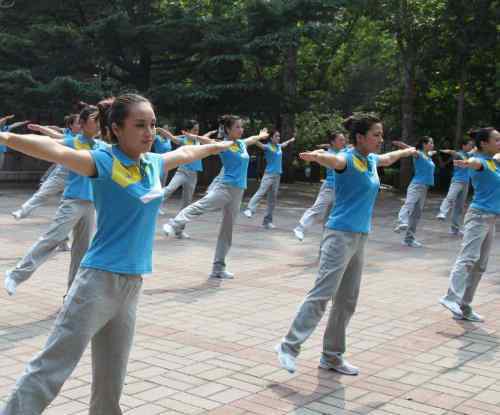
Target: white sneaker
[[440, 216], [286, 360], [9, 284], [402, 227], [223, 275], [161, 212], [452, 306], [182, 235], [299, 234], [18, 214], [413, 244], [248, 213], [340, 365], [470, 315], [269, 226]]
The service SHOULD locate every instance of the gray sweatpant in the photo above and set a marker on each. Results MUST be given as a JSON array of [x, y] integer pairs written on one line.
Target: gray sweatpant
[[217, 180], [72, 215], [455, 199], [100, 307], [411, 212], [2, 160], [222, 197], [320, 210], [338, 280], [51, 186], [269, 185], [479, 234], [185, 178]]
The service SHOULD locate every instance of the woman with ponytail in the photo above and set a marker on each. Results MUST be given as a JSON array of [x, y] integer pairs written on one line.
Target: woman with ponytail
[[319, 211], [343, 245], [54, 180], [226, 194], [423, 178], [479, 225], [270, 183], [101, 305], [75, 212]]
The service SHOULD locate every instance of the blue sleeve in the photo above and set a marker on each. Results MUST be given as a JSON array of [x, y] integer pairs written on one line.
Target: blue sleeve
[[103, 163], [68, 141], [375, 158], [349, 165]]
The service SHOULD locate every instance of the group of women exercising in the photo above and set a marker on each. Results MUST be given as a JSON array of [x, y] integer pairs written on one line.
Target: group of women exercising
[[105, 154]]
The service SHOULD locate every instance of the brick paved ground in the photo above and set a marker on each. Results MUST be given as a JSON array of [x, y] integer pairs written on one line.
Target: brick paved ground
[[206, 348]]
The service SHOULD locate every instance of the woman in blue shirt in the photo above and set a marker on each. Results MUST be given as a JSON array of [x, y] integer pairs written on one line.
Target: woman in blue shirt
[[270, 182], [53, 181], [479, 229], [342, 248], [423, 178], [186, 175], [225, 196], [5, 127], [319, 211], [459, 189], [75, 212], [101, 304]]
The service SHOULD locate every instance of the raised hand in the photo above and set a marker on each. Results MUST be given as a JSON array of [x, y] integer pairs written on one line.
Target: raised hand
[[263, 134]]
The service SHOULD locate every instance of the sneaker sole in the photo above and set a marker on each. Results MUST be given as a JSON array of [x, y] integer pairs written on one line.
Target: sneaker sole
[[277, 349], [455, 315], [343, 372]]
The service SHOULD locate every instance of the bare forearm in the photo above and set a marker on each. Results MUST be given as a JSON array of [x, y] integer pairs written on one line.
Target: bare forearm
[[330, 161], [45, 148], [390, 158]]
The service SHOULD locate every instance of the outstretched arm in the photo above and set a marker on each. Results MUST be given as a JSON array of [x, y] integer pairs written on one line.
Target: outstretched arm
[[332, 161], [188, 154], [472, 163], [3, 120], [387, 159], [288, 142], [17, 124], [203, 139], [45, 148], [46, 131], [250, 141], [167, 134]]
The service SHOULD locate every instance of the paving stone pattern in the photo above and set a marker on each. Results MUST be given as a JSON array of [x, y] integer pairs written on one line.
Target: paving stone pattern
[[203, 347]]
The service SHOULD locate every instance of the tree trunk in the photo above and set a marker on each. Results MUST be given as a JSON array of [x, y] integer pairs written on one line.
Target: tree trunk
[[288, 108], [460, 106]]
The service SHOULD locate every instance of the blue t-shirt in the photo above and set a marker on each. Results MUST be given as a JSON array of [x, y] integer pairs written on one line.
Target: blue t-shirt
[[424, 170], [128, 196], [161, 145], [195, 165], [274, 157], [235, 161], [461, 174], [330, 173], [486, 184], [3, 149], [78, 187], [356, 189]]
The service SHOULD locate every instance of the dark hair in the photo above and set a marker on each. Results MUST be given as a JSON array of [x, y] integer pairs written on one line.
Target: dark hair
[[104, 106], [80, 105], [423, 140], [70, 119], [86, 112], [465, 141], [228, 121], [120, 110], [360, 124], [481, 135], [189, 124], [333, 135]]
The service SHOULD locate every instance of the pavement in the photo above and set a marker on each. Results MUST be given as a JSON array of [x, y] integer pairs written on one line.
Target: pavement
[[205, 347]]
